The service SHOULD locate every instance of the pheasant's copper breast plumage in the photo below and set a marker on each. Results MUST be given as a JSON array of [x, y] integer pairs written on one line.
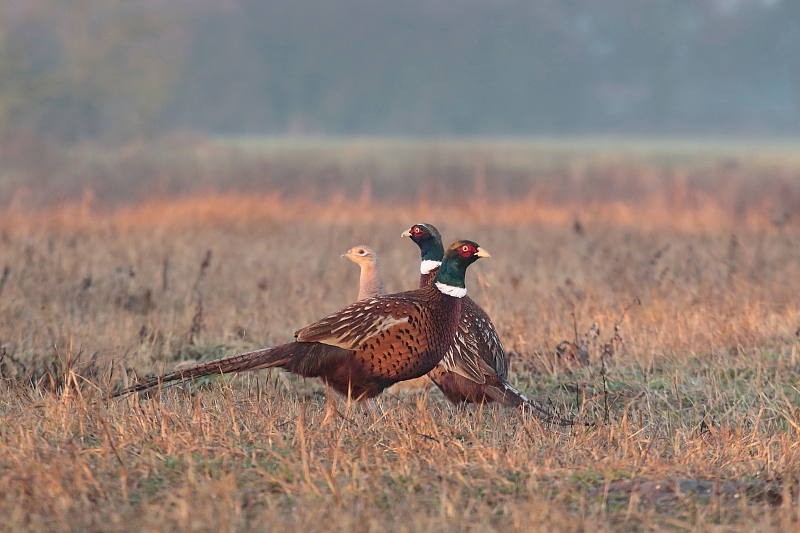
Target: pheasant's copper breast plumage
[[363, 348]]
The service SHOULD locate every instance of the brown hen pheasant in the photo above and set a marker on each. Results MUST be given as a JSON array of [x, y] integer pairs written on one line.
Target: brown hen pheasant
[[370, 344]]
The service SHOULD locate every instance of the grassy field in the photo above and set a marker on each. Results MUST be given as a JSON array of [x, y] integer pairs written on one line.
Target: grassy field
[[651, 289]]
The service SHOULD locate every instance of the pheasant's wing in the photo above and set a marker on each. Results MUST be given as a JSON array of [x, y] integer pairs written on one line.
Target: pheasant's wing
[[387, 334], [463, 358], [491, 349], [352, 327], [487, 342]]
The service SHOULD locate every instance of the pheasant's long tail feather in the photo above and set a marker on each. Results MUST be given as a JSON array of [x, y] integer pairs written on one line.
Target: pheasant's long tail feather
[[255, 360], [507, 395]]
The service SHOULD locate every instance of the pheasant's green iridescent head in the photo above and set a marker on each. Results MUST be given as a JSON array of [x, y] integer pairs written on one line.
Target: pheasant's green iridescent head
[[427, 237], [450, 277]]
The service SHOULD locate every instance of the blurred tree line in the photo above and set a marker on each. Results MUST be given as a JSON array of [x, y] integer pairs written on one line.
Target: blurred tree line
[[88, 69], [118, 69]]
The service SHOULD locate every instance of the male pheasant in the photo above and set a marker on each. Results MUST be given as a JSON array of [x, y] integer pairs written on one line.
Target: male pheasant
[[370, 344], [475, 368]]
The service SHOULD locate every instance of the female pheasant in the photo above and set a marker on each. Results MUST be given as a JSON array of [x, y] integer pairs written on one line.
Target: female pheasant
[[475, 368], [370, 344], [370, 283]]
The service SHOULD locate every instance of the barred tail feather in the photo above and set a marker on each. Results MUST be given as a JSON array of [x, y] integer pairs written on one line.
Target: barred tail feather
[[255, 360], [511, 397]]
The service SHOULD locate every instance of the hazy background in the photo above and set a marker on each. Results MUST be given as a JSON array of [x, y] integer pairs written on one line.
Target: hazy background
[[115, 70]]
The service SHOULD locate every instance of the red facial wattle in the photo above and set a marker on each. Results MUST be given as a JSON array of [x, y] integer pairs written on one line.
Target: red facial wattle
[[466, 250]]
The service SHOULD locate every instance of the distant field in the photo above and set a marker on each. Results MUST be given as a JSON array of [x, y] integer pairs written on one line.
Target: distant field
[[685, 257], [739, 178]]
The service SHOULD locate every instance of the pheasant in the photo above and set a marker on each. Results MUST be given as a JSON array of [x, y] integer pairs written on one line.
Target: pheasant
[[370, 344], [370, 285], [475, 368]]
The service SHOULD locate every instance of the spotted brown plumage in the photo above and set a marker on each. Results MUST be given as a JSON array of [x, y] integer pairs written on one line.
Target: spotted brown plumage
[[367, 346], [370, 284]]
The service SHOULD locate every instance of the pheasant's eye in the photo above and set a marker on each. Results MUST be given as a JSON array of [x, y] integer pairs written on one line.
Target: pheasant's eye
[[465, 250], [417, 230], [361, 252]]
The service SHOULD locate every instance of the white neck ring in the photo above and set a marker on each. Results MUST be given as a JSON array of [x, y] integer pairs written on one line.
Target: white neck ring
[[458, 292], [427, 265]]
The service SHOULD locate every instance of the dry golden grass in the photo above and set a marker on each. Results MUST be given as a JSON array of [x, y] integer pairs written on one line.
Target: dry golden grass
[[698, 384]]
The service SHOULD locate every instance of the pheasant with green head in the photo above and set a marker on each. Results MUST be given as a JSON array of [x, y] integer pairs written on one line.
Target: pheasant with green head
[[370, 344], [475, 368]]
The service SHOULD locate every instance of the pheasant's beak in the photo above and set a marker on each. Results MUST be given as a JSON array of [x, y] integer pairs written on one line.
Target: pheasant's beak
[[406, 233], [482, 253]]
